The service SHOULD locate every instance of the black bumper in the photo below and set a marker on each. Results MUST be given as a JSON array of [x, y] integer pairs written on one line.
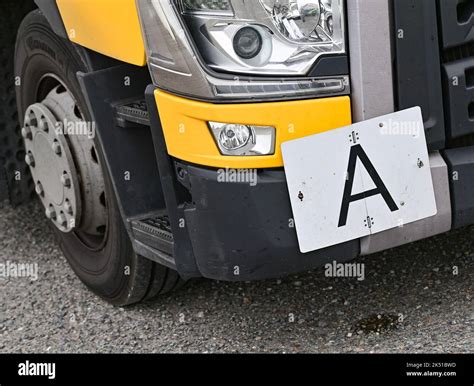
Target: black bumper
[[244, 232]]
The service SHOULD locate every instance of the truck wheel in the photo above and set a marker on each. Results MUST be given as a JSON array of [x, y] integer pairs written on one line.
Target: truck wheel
[[69, 172]]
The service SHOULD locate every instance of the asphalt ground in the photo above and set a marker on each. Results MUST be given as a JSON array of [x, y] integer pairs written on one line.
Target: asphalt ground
[[416, 299]]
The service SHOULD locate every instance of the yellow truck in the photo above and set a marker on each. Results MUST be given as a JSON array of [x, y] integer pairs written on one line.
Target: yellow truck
[[235, 139]]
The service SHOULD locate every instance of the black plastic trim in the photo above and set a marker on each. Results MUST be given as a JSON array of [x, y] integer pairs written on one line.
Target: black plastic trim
[[51, 12], [459, 97], [172, 193], [335, 65], [417, 65], [457, 29], [461, 171], [244, 232], [129, 152]]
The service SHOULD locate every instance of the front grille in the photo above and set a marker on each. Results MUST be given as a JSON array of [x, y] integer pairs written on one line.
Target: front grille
[[457, 53], [434, 61]]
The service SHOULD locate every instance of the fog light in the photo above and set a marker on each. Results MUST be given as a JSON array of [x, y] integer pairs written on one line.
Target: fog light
[[243, 140], [248, 42], [234, 137]]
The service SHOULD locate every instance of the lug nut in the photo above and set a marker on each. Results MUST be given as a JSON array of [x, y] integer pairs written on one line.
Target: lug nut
[[26, 133], [68, 208], [50, 213], [30, 120], [39, 189], [30, 160], [57, 148], [65, 180], [43, 125], [62, 220]]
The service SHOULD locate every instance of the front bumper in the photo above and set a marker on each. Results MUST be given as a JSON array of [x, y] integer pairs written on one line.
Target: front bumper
[[240, 228], [235, 231], [244, 232]]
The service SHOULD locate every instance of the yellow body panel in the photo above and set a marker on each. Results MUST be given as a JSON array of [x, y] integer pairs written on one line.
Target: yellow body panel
[[188, 137], [111, 27]]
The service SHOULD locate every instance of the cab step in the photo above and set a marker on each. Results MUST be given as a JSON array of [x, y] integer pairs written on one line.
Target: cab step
[[155, 232], [132, 114]]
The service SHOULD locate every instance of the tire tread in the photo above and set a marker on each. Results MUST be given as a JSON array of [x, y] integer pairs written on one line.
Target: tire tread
[[163, 281], [20, 191]]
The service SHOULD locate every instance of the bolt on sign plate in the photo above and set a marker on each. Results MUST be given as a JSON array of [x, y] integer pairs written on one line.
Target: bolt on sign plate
[[359, 180]]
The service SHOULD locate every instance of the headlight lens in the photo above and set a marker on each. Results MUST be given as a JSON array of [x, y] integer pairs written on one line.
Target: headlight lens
[[286, 37], [304, 20], [297, 20], [248, 42]]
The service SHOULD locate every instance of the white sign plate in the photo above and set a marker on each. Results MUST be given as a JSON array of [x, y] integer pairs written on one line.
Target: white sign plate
[[359, 180]]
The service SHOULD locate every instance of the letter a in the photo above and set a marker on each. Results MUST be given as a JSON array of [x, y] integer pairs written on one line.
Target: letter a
[[358, 152]]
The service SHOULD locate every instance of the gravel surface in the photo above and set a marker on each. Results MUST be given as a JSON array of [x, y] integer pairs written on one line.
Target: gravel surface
[[410, 301]]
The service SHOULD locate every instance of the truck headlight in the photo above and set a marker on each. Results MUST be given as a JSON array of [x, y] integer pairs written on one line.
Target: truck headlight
[[243, 49], [286, 36]]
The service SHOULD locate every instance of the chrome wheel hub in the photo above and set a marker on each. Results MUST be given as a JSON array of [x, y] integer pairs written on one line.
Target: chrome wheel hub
[[63, 162]]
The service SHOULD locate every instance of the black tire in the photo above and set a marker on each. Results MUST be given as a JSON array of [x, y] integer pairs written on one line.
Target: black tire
[[16, 190], [111, 270]]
